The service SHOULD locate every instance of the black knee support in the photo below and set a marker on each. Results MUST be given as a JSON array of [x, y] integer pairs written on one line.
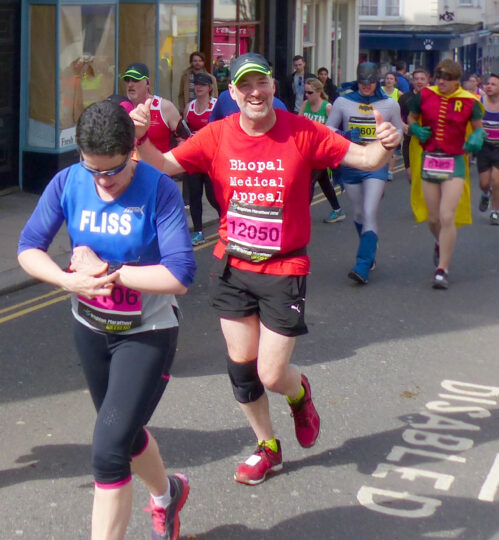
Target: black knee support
[[246, 384]]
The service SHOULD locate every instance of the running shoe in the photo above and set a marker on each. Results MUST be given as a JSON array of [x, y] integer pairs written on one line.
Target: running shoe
[[197, 238], [255, 469], [390, 176], [334, 216], [307, 421], [357, 277], [484, 203], [436, 254], [494, 217], [165, 521], [441, 279]]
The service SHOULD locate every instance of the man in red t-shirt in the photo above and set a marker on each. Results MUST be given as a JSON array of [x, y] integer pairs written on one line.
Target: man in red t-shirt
[[260, 162]]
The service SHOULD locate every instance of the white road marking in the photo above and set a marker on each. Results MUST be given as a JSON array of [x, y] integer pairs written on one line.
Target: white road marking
[[489, 487]]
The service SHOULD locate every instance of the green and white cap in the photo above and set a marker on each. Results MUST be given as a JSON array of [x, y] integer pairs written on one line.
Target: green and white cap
[[249, 63]]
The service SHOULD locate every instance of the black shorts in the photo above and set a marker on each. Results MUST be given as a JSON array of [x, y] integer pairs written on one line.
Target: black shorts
[[488, 157], [279, 301]]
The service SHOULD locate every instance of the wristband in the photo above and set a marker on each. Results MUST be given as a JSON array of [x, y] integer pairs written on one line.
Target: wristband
[[113, 266], [142, 139]]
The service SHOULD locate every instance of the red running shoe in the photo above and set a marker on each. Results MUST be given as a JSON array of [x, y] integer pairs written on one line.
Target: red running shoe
[[255, 469], [165, 521], [307, 421]]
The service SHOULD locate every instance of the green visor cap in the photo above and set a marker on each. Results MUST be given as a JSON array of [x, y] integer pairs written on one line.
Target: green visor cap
[[137, 71], [249, 63]]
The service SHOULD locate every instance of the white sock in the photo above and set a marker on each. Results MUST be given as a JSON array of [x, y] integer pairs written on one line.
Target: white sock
[[163, 500]]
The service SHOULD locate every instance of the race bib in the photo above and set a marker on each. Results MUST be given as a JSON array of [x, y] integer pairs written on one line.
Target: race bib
[[367, 127], [492, 130], [437, 166], [254, 232], [116, 313]]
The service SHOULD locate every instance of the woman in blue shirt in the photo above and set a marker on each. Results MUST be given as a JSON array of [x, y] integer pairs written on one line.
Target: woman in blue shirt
[[131, 255]]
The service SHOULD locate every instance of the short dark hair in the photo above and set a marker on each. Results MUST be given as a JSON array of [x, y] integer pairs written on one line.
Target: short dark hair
[[400, 65], [298, 57], [492, 75], [323, 69], [197, 53], [105, 129], [419, 69]]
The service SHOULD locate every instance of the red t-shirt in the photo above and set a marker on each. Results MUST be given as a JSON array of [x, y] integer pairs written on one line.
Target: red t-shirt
[[262, 185]]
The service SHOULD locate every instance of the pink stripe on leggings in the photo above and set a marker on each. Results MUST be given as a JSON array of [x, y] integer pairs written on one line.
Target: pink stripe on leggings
[[115, 485]]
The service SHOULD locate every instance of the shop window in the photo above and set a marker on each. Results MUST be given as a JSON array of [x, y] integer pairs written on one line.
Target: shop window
[[42, 87], [309, 25], [87, 62], [137, 38], [236, 29], [178, 37], [225, 10], [247, 10], [379, 8]]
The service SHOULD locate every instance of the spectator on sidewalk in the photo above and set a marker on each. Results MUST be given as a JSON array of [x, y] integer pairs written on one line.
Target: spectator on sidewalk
[[401, 73], [294, 91], [330, 89], [186, 89], [221, 74]]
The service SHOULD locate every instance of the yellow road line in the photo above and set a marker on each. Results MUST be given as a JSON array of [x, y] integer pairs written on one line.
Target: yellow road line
[[33, 308], [31, 301]]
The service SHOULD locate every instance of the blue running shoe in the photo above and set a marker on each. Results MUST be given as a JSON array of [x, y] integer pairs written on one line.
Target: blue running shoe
[[334, 216], [197, 238]]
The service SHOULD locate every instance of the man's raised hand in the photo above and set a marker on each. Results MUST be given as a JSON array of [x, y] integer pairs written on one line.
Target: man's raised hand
[[386, 132], [141, 117]]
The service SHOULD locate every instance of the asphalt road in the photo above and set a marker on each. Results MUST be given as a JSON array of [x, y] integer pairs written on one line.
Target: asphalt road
[[406, 380]]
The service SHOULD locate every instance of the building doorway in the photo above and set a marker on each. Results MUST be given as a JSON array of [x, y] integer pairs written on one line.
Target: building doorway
[[10, 31]]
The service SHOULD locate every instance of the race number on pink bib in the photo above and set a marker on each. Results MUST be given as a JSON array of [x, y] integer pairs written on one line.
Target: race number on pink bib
[[254, 232], [437, 167], [433, 163], [120, 311]]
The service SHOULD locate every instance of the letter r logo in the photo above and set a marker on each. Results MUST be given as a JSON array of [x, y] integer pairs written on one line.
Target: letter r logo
[[458, 105]]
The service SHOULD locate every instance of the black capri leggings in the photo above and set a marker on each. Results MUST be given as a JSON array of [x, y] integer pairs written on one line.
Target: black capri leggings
[[322, 177], [126, 376], [195, 183]]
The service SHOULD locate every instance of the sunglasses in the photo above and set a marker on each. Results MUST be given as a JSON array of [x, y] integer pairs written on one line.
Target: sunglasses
[[445, 76], [309, 92], [130, 79], [110, 172]]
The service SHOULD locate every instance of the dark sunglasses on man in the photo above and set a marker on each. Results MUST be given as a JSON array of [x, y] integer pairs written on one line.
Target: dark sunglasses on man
[[445, 76], [131, 79]]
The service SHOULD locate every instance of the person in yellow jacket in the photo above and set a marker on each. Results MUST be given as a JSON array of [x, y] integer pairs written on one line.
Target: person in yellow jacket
[[447, 122]]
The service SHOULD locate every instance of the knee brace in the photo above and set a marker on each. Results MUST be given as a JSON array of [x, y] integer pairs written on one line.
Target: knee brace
[[246, 384]]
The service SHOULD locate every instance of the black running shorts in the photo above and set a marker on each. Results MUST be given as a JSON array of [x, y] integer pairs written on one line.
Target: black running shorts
[[279, 301], [488, 157]]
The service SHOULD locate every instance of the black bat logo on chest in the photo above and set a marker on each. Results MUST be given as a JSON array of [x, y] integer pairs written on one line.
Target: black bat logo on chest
[[365, 108]]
